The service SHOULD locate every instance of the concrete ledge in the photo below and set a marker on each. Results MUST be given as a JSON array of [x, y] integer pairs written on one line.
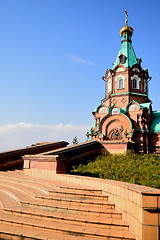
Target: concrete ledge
[[117, 146], [59, 160], [13, 159], [140, 205]]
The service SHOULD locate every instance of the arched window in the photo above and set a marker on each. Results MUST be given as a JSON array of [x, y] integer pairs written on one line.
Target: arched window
[[120, 84], [135, 82], [120, 81], [133, 107], [145, 85], [109, 85], [122, 59]]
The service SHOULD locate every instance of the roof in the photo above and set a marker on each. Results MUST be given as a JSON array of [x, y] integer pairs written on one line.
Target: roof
[[146, 105], [127, 50], [155, 125]]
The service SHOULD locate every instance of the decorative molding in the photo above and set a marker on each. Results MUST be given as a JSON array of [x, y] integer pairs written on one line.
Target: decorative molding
[[102, 110], [109, 74], [136, 70], [120, 77], [115, 110], [120, 69], [133, 107], [109, 85]]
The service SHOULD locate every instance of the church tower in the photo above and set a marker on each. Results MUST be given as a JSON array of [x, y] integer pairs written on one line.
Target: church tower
[[126, 81], [124, 115]]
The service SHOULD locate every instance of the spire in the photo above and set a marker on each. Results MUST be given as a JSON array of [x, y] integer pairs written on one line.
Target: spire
[[126, 55]]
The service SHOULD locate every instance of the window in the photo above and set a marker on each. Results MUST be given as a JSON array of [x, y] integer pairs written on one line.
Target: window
[[109, 85], [122, 59], [136, 70], [120, 84], [120, 69], [145, 85], [133, 107], [115, 110], [102, 110], [135, 82], [120, 81]]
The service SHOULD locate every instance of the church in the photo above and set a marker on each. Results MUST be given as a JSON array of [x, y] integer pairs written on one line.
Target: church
[[125, 116]]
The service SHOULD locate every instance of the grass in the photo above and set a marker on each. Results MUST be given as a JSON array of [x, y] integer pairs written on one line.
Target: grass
[[132, 168]]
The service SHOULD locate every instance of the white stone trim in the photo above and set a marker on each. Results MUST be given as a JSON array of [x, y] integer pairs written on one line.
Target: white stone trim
[[119, 77], [120, 69], [135, 77], [109, 85], [136, 70]]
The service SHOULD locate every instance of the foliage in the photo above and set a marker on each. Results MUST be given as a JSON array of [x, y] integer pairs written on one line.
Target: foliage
[[132, 168]]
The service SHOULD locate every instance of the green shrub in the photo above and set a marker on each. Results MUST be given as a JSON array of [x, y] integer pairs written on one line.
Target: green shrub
[[132, 168]]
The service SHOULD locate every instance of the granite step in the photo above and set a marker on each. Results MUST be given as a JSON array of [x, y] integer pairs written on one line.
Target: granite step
[[80, 202], [77, 194], [33, 208], [96, 221], [61, 227], [74, 209], [17, 233], [78, 189]]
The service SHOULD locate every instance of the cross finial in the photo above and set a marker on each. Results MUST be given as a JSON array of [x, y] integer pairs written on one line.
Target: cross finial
[[126, 17]]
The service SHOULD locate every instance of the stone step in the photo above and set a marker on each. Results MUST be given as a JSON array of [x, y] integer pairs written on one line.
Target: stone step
[[78, 194], [8, 199], [17, 233], [29, 192], [32, 189], [34, 208], [74, 209], [79, 189], [60, 227], [97, 221], [80, 202], [47, 185]]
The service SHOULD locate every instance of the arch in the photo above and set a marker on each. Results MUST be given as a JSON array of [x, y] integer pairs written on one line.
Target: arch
[[135, 82], [115, 134], [103, 108], [120, 69], [113, 123], [109, 85], [133, 103], [120, 81], [135, 69]]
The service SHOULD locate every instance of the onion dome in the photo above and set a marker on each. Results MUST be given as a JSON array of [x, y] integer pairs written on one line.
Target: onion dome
[[126, 30]]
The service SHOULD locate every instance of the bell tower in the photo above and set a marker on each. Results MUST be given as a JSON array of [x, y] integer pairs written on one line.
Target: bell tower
[[126, 81], [124, 115]]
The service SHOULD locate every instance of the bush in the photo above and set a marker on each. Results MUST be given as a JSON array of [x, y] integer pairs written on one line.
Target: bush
[[132, 168]]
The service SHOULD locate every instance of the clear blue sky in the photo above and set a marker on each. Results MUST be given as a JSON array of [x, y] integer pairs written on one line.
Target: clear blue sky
[[53, 54]]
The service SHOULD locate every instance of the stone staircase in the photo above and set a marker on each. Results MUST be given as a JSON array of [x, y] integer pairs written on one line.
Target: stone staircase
[[46, 209]]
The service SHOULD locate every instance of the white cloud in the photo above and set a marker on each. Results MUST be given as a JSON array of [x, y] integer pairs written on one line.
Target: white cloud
[[79, 60], [13, 136]]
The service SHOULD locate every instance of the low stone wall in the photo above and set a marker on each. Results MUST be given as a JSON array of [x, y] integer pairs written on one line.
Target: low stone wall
[[59, 160], [13, 159], [140, 205], [117, 146]]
